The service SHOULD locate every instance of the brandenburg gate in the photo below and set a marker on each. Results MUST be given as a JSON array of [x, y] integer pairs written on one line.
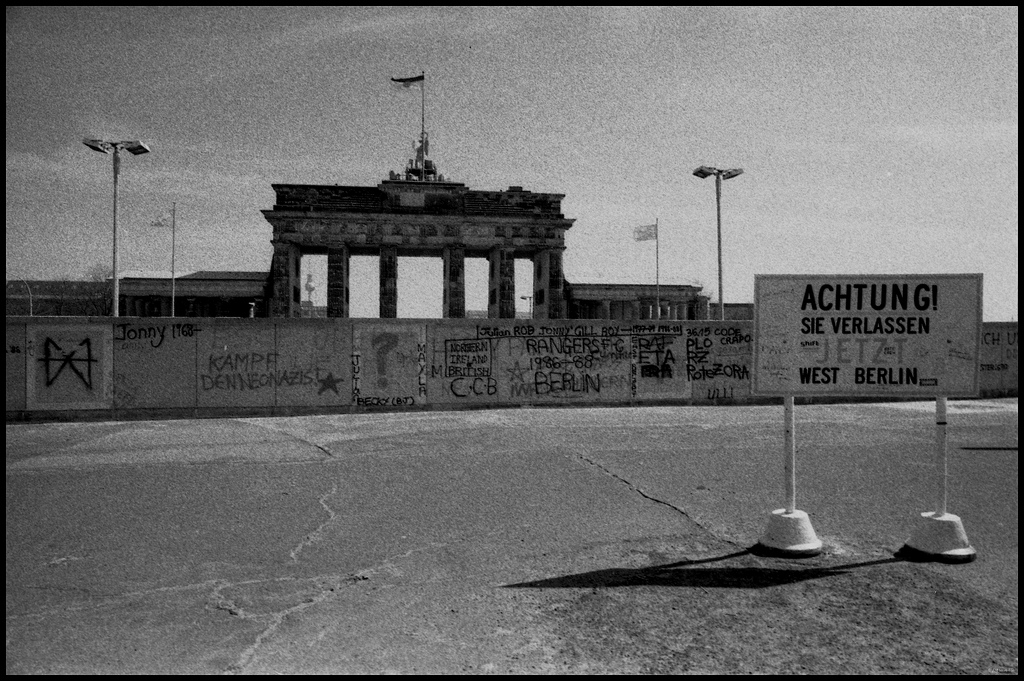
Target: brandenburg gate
[[418, 214]]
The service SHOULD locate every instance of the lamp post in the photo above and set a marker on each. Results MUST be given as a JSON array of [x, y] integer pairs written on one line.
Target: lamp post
[[29, 289], [530, 298], [707, 171], [135, 147]]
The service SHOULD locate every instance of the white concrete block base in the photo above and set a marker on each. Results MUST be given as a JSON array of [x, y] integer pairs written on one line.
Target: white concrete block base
[[938, 537], [789, 535]]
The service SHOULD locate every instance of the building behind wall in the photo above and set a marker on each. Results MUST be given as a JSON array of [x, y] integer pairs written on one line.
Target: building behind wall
[[196, 294], [636, 302], [245, 294], [733, 311], [58, 298]]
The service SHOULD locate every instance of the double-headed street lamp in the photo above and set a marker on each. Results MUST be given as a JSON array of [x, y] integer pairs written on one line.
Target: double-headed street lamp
[[707, 171], [136, 147]]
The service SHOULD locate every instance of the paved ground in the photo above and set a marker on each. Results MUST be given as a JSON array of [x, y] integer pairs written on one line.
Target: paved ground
[[511, 541]]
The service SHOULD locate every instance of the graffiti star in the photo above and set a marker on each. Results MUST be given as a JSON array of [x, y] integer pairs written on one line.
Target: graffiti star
[[328, 382], [517, 372]]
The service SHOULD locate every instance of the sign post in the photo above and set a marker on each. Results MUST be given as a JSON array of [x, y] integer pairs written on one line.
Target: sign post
[[868, 335], [790, 449], [790, 533], [939, 535]]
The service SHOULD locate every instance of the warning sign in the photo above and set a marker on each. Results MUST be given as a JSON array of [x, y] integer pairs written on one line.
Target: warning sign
[[849, 335]]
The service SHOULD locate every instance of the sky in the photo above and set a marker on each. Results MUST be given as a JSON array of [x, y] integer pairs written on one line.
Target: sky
[[872, 140]]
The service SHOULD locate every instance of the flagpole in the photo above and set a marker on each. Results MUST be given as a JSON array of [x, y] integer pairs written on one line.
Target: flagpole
[[657, 273], [423, 110]]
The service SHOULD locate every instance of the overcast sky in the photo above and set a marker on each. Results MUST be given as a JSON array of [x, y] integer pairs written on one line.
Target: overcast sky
[[873, 140]]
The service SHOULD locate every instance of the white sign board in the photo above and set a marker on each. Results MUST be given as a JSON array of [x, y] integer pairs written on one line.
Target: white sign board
[[855, 335]]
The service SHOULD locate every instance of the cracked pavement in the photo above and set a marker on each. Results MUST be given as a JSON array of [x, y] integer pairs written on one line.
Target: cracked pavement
[[510, 541]]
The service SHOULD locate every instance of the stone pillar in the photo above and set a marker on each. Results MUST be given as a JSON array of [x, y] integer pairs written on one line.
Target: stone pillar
[[454, 298], [501, 299], [548, 291], [606, 309], [337, 281], [284, 272], [634, 312], [388, 282], [703, 308], [541, 267]]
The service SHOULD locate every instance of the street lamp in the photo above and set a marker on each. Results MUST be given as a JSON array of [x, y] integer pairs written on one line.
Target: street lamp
[[707, 171], [29, 288], [136, 147], [530, 298]]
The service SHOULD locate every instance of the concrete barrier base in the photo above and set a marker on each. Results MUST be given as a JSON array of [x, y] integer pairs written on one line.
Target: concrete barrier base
[[938, 537], [789, 535]]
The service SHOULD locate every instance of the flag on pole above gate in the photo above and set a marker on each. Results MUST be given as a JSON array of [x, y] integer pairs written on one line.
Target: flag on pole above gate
[[646, 232], [408, 82]]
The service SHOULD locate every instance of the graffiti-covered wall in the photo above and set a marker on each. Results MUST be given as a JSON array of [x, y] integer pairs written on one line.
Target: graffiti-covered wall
[[68, 365], [209, 367], [551, 362], [998, 370]]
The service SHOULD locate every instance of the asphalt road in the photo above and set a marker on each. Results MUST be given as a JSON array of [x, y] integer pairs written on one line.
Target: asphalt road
[[507, 541]]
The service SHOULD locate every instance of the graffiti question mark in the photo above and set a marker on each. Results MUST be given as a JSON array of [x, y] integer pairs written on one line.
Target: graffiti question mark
[[383, 344]]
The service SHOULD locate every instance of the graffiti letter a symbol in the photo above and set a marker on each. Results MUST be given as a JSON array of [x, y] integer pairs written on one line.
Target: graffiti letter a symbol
[[54, 354]]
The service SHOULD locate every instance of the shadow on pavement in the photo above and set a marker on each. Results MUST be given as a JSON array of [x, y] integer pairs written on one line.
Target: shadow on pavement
[[682, 574]]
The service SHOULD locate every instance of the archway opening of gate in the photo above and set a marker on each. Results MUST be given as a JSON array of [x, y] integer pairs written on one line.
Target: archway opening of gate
[[419, 284]]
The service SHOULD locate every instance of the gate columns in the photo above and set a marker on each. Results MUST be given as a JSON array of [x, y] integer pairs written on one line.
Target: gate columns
[[501, 299], [388, 282], [285, 274], [548, 293], [454, 295], [337, 281]]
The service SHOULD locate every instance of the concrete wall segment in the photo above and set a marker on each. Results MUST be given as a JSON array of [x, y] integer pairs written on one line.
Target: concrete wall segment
[[153, 367], [999, 364], [155, 362], [17, 356], [237, 364], [389, 364], [312, 363], [69, 365]]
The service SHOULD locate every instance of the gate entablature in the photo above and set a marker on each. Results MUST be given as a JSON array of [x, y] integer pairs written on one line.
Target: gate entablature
[[421, 218]]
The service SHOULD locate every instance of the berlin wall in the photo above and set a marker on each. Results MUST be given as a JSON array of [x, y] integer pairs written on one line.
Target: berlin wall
[[60, 367], [998, 370]]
